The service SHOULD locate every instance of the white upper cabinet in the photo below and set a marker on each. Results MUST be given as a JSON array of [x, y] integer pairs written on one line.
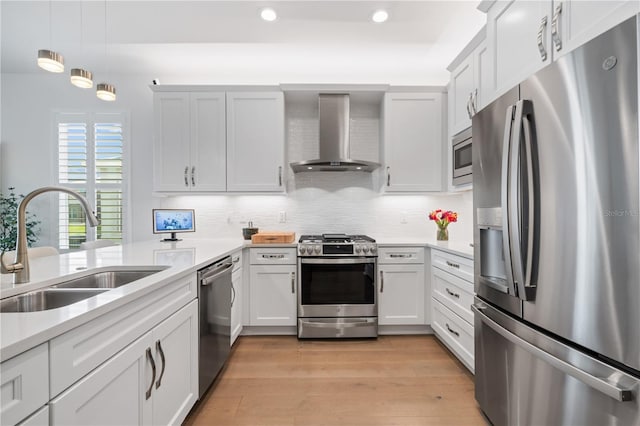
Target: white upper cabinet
[[576, 22], [215, 141], [413, 142], [524, 36], [470, 83], [172, 149], [519, 37], [208, 147], [189, 151], [255, 141]]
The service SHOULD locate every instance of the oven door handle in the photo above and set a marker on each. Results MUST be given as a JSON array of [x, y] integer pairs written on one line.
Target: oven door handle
[[336, 261], [333, 324]]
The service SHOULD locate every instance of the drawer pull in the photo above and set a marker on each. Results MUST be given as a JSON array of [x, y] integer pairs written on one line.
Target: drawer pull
[[456, 295], [164, 363], [153, 372], [452, 331], [395, 255], [293, 282], [453, 265], [236, 259], [273, 256]]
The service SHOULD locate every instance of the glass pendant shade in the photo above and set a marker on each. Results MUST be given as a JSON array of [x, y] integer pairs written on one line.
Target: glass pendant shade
[[81, 78], [50, 60], [106, 92]]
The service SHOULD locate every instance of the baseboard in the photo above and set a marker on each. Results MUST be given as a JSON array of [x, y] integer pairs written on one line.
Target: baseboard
[[274, 330], [404, 329]]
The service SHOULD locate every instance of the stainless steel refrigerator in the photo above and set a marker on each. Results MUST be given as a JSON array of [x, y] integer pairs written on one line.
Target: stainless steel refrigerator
[[557, 242]]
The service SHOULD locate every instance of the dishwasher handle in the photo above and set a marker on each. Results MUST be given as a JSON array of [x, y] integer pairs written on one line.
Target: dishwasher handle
[[211, 275]]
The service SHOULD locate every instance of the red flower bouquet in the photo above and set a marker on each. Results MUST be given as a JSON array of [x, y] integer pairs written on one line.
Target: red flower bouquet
[[443, 219]]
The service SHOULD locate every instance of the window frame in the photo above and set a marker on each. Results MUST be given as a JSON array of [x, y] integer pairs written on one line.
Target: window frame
[[90, 119]]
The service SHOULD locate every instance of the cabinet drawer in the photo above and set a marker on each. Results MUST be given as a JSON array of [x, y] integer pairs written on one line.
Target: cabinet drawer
[[236, 258], [454, 331], [454, 293], [24, 384], [82, 349], [400, 255], [456, 265], [273, 256]]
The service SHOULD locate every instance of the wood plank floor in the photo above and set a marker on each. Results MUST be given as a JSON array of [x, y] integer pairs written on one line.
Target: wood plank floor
[[394, 380]]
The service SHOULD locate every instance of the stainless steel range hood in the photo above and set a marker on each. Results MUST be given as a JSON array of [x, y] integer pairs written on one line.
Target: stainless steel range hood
[[335, 153]]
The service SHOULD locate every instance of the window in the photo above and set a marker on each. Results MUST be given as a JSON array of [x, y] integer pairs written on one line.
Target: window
[[91, 159]]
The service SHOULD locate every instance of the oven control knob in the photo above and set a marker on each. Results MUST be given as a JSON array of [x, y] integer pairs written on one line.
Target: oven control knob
[[303, 250], [373, 249], [358, 249], [366, 249], [317, 249]]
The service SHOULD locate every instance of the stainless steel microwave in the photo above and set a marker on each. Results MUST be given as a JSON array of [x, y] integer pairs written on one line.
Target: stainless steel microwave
[[461, 156]]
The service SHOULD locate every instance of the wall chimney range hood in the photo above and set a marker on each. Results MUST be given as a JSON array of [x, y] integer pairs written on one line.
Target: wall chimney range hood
[[335, 153]]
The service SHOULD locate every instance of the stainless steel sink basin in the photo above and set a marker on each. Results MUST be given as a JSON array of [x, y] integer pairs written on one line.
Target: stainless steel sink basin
[[48, 298], [108, 279]]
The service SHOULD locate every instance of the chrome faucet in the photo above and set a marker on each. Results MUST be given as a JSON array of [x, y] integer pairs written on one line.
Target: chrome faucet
[[20, 267]]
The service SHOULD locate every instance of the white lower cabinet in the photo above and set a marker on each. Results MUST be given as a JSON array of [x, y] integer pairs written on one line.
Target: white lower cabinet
[[273, 295], [39, 418], [154, 380], [272, 286], [452, 293], [24, 384], [236, 296], [401, 286]]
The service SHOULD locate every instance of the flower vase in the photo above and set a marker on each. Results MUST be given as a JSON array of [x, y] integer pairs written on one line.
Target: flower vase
[[443, 234]]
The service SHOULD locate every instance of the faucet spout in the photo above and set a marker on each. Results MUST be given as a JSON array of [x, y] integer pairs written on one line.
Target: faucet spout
[[20, 267]]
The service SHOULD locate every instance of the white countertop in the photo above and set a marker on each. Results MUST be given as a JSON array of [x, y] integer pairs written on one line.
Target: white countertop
[[461, 248], [22, 331]]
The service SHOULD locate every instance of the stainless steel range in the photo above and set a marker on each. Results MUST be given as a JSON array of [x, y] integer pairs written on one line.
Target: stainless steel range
[[337, 286]]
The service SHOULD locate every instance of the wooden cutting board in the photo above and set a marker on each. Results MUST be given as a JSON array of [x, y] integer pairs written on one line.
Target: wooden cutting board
[[267, 237]]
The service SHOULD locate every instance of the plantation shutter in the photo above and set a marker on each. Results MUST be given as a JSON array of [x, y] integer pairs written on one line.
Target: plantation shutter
[[91, 161]]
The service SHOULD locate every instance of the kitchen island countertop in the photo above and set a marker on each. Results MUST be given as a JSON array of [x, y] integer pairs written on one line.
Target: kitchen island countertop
[[22, 331]]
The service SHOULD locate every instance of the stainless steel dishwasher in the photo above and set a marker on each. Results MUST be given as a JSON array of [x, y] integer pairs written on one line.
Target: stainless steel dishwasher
[[214, 304]]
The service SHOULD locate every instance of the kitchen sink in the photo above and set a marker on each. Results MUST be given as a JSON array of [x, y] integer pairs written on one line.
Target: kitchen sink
[[108, 279], [75, 290], [48, 298]]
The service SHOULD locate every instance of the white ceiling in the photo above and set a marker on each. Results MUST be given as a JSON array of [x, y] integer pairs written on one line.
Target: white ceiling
[[227, 42]]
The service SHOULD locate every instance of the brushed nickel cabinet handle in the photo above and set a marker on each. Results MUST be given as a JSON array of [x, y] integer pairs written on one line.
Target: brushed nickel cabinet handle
[[457, 334], [451, 293], [474, 101], [159, 349], [273, 256], [293, 282], [381, 281], [555, 35], [541, 48], [233, 294], [453, 265], [469, 106], [193, 176], [186, 177], [280, 176], [388, 176], [153, 370]]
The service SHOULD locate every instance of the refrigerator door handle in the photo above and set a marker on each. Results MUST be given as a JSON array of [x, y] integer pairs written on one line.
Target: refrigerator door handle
[[505, 189], [597, 383], [521, 263]]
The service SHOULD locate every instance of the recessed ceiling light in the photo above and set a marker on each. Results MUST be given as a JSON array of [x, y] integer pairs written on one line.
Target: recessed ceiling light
[[268, 14], [380, 16]]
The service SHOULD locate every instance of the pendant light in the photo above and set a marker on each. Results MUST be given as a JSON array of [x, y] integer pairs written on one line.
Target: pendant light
[[48, 59], [106, 91], [80, 77]]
